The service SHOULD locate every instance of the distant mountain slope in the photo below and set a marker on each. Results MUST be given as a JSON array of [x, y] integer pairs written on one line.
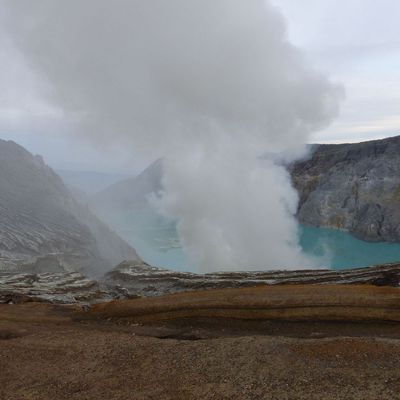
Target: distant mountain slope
[[130, 193], [355, 187], [39, 217], [89, 182]]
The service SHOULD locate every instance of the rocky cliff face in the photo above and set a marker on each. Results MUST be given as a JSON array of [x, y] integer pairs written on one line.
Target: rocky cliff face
[[355, 187], [40, 218]]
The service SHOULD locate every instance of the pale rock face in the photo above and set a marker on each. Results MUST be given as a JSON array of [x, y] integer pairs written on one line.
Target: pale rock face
[[50, 287], [354, 187], [39, 218]]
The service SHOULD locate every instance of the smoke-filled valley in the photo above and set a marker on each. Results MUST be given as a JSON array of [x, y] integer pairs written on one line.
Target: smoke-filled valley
[[333, 235], [170, 80]]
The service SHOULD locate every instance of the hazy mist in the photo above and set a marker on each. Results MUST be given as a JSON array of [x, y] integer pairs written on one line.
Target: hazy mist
[[210, 85]]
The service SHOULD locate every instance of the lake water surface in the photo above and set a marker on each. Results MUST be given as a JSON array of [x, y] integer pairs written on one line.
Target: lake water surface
[[155, 239]]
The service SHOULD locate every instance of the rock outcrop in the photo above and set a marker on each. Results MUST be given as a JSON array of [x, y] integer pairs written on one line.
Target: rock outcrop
[[131, 279], [39, 218], [135, 279], [354, 187], [66, 288]]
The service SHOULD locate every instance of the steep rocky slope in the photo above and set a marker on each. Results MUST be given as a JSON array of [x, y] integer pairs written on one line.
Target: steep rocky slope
[[355, 187], [39, 217]]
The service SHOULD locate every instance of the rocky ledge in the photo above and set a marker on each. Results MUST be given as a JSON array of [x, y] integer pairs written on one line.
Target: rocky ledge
[[278, 302], [133, 279], [51, 288]]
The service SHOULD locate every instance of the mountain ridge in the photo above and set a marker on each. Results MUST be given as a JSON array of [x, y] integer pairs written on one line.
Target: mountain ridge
[[39, 217]]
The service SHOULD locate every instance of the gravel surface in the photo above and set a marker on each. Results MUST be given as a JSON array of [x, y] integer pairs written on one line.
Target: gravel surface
[[46, 354]]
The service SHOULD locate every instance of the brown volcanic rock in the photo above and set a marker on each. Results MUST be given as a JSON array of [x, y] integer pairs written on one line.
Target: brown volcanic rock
[[300, 302], [46, 355]]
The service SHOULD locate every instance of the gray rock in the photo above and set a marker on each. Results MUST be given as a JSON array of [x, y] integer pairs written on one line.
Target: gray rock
[[66, 288], [136, 279], [139, 279], [354, 187]]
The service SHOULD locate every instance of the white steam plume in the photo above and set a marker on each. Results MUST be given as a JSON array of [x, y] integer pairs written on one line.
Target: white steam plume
[[210, 85]]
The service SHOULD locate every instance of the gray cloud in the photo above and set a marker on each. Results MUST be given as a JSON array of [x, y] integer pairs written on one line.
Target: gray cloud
[[209, 85], [357, 43]]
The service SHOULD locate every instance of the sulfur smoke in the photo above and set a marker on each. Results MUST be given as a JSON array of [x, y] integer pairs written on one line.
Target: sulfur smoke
[[211, 86]]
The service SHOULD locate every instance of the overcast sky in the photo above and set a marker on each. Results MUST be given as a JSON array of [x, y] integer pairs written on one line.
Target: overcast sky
[[356, 42]]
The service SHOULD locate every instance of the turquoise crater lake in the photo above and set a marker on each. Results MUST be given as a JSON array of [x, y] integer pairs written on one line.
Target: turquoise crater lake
[[155, 239]]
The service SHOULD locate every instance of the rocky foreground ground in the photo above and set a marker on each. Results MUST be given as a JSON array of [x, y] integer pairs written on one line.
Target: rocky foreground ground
[[262, 341], [48, 352], [132, 279]]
